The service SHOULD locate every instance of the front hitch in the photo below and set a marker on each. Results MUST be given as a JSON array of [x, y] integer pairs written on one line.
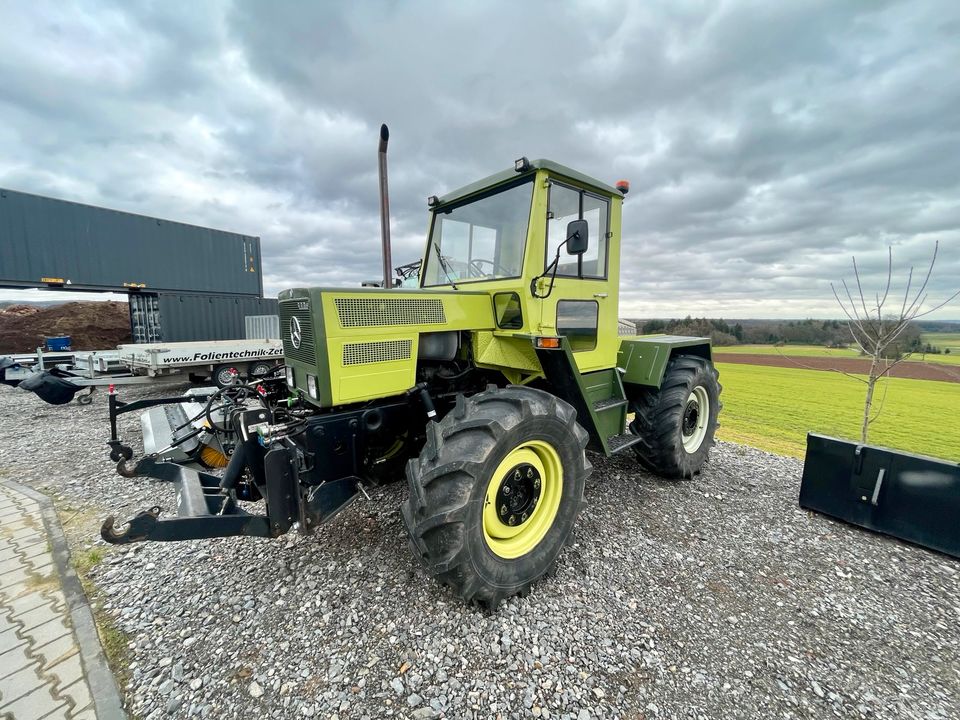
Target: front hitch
[[204, 510], [207, 504]]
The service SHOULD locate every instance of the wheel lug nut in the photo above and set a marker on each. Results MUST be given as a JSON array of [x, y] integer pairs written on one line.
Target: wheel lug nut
[[503, 510], [506, 490], [516, 475], [512, 520], [523, 518], [529, 472], [536, 483]]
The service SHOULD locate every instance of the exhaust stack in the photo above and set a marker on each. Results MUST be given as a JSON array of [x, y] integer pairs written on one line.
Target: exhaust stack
[[385, 209]]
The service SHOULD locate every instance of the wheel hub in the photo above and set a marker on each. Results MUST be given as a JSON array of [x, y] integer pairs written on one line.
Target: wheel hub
[[696, 419], [691, 415], [519, 494], [522, 499]]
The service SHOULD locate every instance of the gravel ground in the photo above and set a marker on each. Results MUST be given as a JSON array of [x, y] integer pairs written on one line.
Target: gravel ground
[[717, 598]]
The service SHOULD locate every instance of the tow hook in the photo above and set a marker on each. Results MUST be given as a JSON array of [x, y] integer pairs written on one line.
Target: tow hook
[[137, 529]]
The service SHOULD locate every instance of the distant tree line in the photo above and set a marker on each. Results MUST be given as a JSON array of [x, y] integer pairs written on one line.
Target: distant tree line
[[719, 331], [939, 326], [828, 333]]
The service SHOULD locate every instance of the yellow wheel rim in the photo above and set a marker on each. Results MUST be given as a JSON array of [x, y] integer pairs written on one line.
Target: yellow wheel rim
[[522, 499]]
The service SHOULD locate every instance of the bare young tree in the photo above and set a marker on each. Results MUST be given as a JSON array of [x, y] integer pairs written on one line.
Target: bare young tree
[[875, 330]]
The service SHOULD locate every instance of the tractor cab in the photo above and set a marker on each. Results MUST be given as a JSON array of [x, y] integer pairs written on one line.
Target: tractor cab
[[544, 241]]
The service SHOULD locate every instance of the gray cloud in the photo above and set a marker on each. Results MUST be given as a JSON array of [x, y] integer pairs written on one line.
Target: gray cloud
[[765, 142]]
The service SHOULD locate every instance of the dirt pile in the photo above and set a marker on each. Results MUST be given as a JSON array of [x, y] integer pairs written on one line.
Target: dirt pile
[[91, 325], [21, 310]]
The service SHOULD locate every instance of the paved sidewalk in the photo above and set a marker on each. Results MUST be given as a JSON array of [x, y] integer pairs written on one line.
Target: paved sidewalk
[[51, 663]]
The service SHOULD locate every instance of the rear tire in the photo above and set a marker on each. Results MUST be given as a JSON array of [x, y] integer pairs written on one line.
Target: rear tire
[[496, 491], [676, 424]]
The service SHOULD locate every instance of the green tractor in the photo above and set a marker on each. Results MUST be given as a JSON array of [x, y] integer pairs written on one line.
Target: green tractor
[[485, 385]]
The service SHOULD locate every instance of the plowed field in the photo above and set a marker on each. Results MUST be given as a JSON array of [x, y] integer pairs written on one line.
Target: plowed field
[[855, 366]]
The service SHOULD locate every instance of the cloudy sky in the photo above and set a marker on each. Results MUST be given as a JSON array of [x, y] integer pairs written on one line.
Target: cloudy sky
[[766, 142]]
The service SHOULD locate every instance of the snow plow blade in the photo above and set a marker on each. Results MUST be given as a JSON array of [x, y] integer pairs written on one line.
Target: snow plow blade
[[911, 497]]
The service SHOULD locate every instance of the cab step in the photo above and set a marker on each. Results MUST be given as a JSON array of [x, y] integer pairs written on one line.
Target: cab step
[[619, 443], [609, 404], [597, 396]]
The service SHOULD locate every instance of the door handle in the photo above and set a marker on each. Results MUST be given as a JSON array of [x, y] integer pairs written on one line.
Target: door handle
[[600, 295]]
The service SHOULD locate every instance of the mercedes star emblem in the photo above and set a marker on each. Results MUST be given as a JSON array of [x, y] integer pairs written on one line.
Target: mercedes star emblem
[[296, 333]]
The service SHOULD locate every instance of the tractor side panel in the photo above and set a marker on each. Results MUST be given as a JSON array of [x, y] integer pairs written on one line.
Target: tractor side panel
[[372, 338], [500, 351], [356, 345], [644, 359]]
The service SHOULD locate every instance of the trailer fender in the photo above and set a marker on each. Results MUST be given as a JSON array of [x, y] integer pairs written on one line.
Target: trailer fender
[[50, 388]]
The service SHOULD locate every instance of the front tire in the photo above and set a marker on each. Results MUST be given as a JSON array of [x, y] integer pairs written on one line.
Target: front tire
[[496, 492], [676, 424]]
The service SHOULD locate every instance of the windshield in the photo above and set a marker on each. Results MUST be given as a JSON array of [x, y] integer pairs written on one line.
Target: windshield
[[480, 239]]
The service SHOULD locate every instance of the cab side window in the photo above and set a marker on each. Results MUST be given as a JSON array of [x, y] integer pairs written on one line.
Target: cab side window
[[508, 311], [568, 204], [578, 320]]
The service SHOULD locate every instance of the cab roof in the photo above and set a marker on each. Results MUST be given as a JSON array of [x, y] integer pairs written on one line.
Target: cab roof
[[506, 175]]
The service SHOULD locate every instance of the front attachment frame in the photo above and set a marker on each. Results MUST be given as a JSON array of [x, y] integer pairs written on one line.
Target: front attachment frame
[[204, 510]]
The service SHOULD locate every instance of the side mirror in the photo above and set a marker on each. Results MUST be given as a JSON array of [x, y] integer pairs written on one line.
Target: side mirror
[[578, 237]]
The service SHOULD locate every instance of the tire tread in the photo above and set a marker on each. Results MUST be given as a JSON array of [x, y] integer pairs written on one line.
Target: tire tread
[[656, 412], [442, 479]]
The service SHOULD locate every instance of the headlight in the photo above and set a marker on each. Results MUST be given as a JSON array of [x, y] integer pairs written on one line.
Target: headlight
[[289, 376], [312, 386]]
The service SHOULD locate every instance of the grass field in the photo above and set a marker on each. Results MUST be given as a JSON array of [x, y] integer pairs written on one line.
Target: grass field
[[773, 408], [943, 341], [818, 351]]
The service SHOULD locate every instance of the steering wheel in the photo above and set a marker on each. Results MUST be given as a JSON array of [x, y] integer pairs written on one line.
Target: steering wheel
[[477, 268]]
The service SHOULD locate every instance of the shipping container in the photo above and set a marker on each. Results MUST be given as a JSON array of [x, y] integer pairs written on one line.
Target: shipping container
[[46, 242], [186, 317], [262, 327]]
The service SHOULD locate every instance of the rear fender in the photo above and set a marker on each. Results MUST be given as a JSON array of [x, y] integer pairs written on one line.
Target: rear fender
[[643, 360]]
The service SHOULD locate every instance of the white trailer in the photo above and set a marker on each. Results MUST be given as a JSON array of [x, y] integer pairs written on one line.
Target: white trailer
[[58, 377], [217, 360]]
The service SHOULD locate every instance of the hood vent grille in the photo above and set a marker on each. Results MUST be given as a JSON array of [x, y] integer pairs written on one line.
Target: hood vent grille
[[380, 312], [376, 352]]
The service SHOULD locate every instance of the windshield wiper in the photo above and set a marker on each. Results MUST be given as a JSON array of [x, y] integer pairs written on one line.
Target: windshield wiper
[[443, 266]]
